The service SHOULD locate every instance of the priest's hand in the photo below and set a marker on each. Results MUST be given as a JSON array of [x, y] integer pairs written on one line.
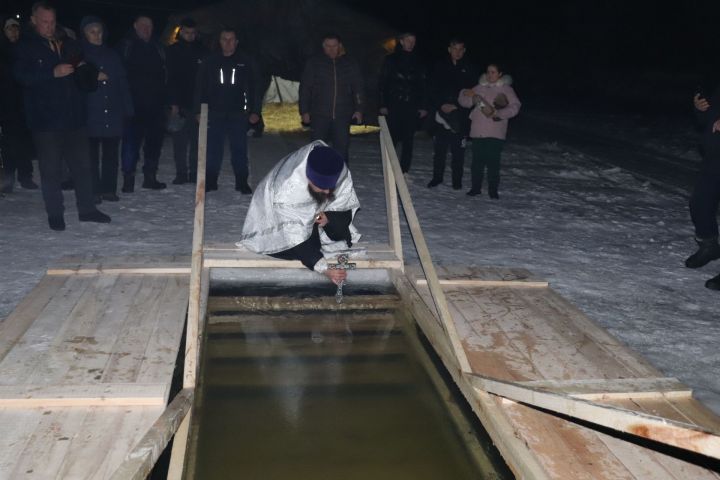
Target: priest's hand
[[336, 276], [321, 219]]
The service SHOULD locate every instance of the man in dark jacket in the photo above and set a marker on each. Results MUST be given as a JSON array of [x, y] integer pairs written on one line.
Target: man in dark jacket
[[402, 88], [706, 194], [183, 60], [144, 59], [55, 110], [451, 121], [15, 138], [332, 94], [226, 82]]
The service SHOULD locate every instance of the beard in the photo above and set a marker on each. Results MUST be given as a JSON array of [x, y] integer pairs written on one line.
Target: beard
[[321, 197]]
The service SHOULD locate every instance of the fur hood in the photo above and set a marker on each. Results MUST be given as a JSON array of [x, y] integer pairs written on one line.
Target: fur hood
[[504, 80]]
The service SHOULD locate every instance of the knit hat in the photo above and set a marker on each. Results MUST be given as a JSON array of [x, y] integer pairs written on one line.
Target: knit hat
[[324, 166], [90, 20], [10, 22]]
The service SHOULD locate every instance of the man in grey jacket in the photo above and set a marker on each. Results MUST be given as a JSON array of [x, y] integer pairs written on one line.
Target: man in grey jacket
[[332, 94]]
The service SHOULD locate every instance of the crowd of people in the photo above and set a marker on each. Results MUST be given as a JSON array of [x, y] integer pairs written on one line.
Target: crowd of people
[[86, 110]]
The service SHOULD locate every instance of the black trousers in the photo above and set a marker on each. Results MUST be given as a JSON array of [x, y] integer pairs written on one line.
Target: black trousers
[[486, 153], [105, 170], [17, 150], [443, 140], [335, 132], [402, 121], [145, 129], [59, 148], [704, 203], [308, 252], [185, 147]]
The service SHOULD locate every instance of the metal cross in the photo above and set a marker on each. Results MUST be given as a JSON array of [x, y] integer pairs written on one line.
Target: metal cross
[[342, 264]]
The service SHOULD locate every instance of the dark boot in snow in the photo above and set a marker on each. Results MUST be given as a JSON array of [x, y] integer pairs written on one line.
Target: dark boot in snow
[[151, 182], [128, 184], [56, 222], [434, 182], [96, 216], [708, 250], [713, 283], [241, 185]]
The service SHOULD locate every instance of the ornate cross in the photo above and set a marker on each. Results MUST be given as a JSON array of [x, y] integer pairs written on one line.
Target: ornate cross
[[342, 264]]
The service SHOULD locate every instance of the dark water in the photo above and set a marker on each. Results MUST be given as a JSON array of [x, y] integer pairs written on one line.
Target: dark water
[[322, 396]]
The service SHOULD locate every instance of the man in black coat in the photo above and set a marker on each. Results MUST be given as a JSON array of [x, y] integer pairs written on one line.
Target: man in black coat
[[451, 121], [16, 140], [183, 60], [226, 82], [332, 94], [706, 194], [144, 59], [403, 98], [55, 109]]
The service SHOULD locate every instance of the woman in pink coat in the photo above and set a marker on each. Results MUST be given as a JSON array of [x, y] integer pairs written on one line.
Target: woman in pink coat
[[493, 102]]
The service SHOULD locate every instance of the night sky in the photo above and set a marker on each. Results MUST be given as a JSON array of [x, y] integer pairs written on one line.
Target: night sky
[[558, 49]]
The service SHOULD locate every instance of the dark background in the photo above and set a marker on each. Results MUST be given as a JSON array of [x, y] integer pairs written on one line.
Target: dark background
[[611, 54]]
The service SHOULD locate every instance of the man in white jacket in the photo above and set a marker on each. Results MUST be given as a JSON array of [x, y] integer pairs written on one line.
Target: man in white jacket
[[304, 206]]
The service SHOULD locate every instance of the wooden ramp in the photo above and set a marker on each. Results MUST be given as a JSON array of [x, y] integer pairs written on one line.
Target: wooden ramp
[[513, 327], [86, 363]]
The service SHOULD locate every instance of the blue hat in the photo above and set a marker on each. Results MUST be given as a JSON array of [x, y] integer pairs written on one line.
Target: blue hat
[[324, 166]]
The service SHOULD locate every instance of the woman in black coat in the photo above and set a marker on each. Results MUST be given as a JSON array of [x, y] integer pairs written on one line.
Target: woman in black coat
[[107, 107]]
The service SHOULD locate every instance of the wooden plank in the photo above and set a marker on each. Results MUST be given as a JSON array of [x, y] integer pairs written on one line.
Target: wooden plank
[[163, 346], [102, 440], [49, 444], [68, 346], [97, 347], [17, 429], [380, 321], [350, 302], [478, 282], [35, 396], [566, 450], [124, 362], [678, 434], [179, 449], [516, 452], [381, 260], [461, 275], [192, 353], [27, 351], [139, 462], [120, 271], [131, 430], [605, 349], [29, 308], [607, 389], [422, 249], [391, 204]]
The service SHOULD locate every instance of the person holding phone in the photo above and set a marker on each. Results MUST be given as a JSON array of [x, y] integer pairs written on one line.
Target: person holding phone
[[705, 197], [56, 115]]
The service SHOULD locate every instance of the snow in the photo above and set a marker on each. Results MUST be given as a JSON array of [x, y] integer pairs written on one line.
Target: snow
[[610, 243]]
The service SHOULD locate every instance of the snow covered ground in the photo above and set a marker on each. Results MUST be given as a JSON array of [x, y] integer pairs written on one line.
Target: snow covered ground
[[613, 245]]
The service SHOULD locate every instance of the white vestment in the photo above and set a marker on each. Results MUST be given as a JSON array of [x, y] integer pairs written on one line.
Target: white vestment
[[282, 211]]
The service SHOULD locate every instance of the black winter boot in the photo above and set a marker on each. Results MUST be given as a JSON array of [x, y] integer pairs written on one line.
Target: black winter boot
[[708, 250], [241, 185], [713, 283], [151, 182], [128, 184], [434, 182]]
